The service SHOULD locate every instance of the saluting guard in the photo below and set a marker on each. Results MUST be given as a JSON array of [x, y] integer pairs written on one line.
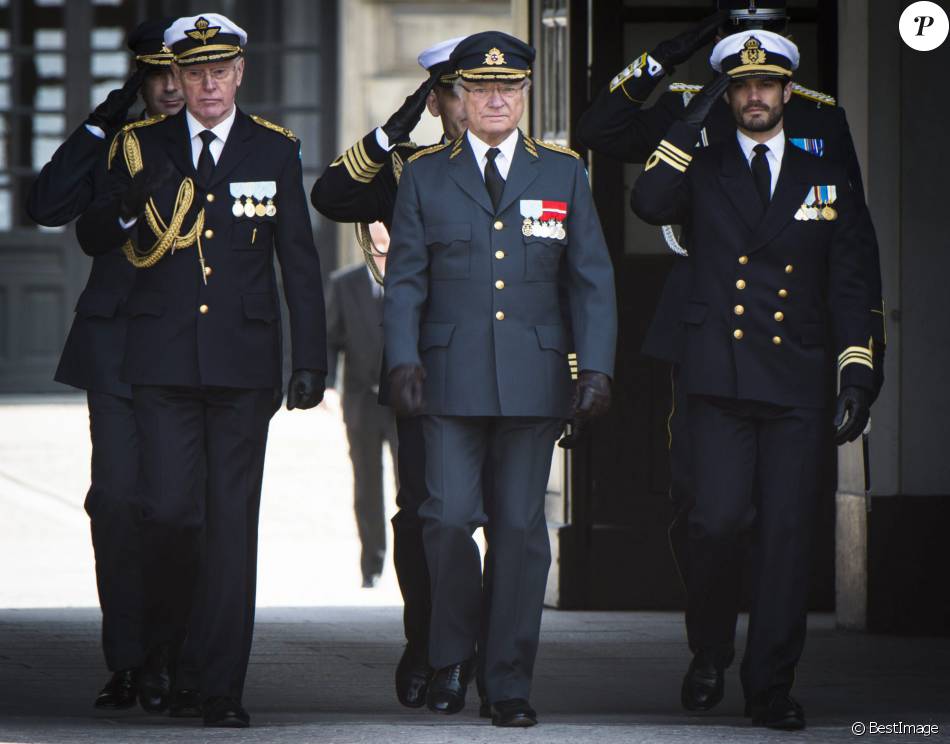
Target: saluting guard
[[200, 203], [778, 290]]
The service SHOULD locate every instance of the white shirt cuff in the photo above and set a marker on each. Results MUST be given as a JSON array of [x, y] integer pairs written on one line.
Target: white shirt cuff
[[654, 68], [382, 139], [95, 131], [126, 225]]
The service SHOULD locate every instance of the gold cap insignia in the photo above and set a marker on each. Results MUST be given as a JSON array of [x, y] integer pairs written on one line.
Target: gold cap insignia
[[752, 52], [203, 31], [495, 57]]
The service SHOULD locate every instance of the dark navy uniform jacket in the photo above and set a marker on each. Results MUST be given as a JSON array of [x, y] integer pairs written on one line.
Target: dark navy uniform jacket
[[619, 127], [772, 299], [476, 299], [65, 187], [226, 331]]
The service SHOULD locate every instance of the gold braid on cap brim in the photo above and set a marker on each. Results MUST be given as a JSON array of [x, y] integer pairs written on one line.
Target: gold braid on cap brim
[[159, 59], [365, 240], [751, 70], [168, 236], [493, 73], [208, 53]]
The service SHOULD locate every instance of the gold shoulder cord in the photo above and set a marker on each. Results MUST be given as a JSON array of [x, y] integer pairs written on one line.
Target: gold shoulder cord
[[168, 235], [365, 241]]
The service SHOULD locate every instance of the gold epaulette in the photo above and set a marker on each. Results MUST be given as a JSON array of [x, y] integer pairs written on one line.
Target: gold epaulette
[[684, 88], [558, 148], [397, 161], [274, 127], [427, 151], [113, 148], [814, 95], [407, 143]]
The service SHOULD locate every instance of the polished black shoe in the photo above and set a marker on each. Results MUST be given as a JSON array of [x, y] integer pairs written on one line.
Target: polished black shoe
[[370, 580], [185, 703], [120, 691], [779, 711], [515, 713], [412, 678], [703, 684], [154, 684], [484, 708], [225, 712], [447, 688]]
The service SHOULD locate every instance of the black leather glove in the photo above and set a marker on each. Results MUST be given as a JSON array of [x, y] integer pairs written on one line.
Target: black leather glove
[[144, 183], [306, 388], [405, 389], [112, 112], [856, 403], [680, 48], [701, 104], [591, 396], [400, 124]]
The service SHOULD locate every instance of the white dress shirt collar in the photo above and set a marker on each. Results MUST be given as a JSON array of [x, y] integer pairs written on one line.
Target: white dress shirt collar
[[220, 130], [774, 156], [504, 158]]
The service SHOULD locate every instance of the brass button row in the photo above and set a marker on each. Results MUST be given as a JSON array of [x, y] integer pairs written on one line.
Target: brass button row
[[783, 293], [498, 224], [499, 255], [203, 309], [743, 260], [740, 284], [209, 233], [210, 197], [499, 315], [499, 284]]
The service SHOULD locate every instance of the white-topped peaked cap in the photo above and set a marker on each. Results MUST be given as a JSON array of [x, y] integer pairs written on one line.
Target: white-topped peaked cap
[[755, 52], [438, 55], [208, 37]]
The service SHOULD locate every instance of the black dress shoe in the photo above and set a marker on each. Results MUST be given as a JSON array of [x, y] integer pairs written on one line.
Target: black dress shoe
[[154, 687], [779, 711], [120, 691], [412, 678], [703, 684], [225, 712], [447, 688], [185, 703], [516, 713], [370, 580]]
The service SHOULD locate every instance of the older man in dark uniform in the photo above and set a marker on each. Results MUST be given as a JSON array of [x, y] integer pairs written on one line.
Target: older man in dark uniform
[[778, 289], [92, 356], [360, 186], [476, 342], [203, 200]]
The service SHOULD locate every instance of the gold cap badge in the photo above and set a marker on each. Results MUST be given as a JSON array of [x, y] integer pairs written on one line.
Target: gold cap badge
[[752, 52], [203, 31], [495, 57]]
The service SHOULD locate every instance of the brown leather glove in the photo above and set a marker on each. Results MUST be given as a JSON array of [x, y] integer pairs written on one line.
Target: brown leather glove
[[405, 389], [591, 396]]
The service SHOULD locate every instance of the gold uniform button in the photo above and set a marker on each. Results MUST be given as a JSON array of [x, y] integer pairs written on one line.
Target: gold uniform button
[[499, 255], [783, 293], [208, 271], [203, 309], [740, 284], [737, 334], [789, 269], [743, 260], [210, 197], [776, 340], [499, 315], [779, 316], [738, 309], [499, 224], [209, 233], [499, 284]]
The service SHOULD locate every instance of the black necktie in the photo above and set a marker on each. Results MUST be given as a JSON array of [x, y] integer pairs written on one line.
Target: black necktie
[[205, 160], [493, 180], [762, 174]]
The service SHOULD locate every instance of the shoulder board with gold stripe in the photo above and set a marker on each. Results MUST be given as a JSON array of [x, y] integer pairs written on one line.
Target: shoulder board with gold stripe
[[273, 127], [397, 161], [407, 143], [530, 145], [113, 148], [557, 148], [427, 151], [685, 88], [813, 95]]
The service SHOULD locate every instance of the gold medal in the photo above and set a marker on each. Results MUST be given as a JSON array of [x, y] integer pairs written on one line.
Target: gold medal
[[829, 212], [237, 208], [271, 208], [248, 208], [260, 209]]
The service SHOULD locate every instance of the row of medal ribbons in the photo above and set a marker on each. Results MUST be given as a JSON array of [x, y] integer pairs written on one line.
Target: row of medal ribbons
[[250, 196], [818, 203]]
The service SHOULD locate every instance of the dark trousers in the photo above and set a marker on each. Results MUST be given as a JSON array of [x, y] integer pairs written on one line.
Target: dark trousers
[[367, 436], [754, 471], [111, 506], [681, 490], [520, 451], [215, 438]]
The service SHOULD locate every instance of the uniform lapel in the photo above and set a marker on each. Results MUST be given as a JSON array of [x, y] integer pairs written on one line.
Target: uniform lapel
[[179, 145], [521, 174], [464, 171], [736, 178], [789, 194], [235, 148]]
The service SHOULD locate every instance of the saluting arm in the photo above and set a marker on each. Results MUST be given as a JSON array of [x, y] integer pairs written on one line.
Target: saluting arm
[[98, 229], [358, 186], [65, 185]]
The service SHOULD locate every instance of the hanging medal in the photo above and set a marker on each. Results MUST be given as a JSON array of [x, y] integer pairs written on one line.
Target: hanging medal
[[270, 191], [237, 191]]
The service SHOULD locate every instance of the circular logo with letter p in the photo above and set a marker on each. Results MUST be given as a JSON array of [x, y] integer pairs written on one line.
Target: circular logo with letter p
[[924, 25]]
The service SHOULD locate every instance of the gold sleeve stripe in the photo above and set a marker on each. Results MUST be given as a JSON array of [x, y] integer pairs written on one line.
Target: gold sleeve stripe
[[675, 158], [675, 151], [659, 155], [856, 355], [866, 362], [354, 170]]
